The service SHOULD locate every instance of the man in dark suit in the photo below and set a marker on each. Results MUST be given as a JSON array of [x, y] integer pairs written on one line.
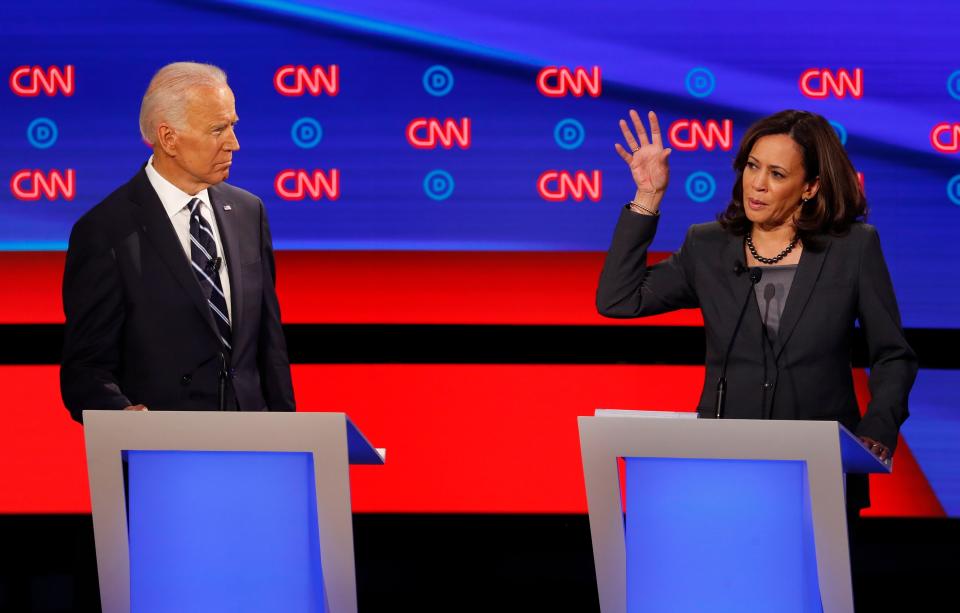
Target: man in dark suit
[[169, 283]]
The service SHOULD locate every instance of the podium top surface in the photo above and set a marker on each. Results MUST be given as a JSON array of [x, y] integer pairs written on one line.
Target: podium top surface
[[225, 431], [734, 438]]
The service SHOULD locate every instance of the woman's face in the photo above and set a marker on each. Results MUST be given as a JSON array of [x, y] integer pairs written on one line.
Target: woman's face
[[774, 181]]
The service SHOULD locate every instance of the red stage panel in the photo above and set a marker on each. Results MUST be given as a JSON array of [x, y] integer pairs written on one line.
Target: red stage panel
[[31, 287], [460, 438], [43, 465], [906, 492], [484, 439], [388, 287]]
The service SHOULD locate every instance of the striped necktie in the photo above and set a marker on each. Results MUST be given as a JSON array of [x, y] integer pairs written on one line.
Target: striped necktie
[[206, 266]]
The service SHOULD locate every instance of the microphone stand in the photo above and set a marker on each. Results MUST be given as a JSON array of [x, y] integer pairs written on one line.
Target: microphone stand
[[222, 383], [755, 275], [768, 293]]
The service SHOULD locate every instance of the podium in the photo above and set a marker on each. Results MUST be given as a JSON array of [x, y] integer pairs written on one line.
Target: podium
[[720, 515], [224, 511]]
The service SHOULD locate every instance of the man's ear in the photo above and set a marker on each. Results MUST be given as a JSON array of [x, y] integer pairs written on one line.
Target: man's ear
[[167, 139]]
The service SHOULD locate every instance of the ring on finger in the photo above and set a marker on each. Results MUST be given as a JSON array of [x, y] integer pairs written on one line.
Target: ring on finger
[[635, 149]]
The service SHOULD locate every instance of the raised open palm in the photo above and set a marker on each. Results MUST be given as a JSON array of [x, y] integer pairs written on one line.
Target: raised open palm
[[648, 159]]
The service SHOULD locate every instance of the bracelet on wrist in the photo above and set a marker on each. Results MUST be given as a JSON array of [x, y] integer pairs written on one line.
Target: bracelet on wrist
[[639, 208]]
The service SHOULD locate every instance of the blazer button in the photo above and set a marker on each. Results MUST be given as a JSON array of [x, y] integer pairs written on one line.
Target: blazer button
[[767, 386], [185, 380]]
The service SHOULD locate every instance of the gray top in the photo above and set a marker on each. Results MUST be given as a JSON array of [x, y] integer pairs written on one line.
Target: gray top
[[772, 291]]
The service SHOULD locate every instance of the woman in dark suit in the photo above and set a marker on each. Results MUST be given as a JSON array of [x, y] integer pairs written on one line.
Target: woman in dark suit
[[796, 215]]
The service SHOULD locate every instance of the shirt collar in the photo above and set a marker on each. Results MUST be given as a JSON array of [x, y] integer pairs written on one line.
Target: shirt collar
[[172, 197]]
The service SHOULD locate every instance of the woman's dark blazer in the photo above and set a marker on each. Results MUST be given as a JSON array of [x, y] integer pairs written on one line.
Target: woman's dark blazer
[[839, 280]]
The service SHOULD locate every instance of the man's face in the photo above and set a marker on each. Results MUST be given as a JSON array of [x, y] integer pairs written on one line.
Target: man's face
[[204, 149]]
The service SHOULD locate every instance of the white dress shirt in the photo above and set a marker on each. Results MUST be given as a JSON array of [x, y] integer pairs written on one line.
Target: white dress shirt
[[175, 203]]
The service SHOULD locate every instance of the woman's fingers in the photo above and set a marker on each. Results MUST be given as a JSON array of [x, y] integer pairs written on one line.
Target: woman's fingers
[[628, 136], [655, 137], [654, 128], [638, 126], [877, 448], [631, 141]]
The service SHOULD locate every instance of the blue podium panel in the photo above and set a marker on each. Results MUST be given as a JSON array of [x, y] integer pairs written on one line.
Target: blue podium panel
[[719, 536], [223, 531]]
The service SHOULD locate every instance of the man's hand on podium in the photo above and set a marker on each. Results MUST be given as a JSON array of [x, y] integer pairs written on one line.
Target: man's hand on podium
[[136, 407], [877, 448]]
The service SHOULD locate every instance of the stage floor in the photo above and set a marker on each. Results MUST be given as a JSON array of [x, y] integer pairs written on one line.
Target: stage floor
[[478, 563]]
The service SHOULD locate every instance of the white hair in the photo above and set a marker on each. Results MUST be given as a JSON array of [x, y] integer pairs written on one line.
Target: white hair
[[166, 97]]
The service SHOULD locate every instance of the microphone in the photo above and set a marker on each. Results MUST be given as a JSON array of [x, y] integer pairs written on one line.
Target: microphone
[[769, 291], [222, 382], [755, 275]]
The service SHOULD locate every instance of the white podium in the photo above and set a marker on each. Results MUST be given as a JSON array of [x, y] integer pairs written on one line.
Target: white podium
[[235, 511], [720, 515]]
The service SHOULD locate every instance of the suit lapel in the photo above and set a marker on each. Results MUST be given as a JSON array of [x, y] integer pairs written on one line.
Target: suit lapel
[[738, 284], [732, 256], [808, 271], [159, 231], [230, 237]]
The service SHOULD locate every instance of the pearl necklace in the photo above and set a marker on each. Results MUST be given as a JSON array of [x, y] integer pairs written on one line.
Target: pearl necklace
[[773, 260]]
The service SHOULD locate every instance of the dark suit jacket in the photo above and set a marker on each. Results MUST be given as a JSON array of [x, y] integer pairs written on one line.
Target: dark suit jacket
[[840, 280], [138, 328]]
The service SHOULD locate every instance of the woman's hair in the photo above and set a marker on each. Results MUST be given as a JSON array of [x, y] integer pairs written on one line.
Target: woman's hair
[[838, 203]]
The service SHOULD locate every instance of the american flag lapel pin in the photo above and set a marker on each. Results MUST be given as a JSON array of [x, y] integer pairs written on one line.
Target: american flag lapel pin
[[227, 207]]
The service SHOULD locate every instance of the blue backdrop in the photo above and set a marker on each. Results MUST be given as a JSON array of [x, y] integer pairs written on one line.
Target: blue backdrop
[[686, 59]]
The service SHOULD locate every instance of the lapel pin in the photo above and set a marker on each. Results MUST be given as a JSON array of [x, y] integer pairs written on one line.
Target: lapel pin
[[227, 207]]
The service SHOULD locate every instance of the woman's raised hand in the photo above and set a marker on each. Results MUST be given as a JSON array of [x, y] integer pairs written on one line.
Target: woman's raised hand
[[648, 159]]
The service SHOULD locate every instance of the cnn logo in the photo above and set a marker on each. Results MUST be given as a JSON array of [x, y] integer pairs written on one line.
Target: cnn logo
[[291, 80], [822, 83], [295, 185], [30, 185], [945, 137], [29, 81], [560, 185], [690, 134], [559, 81], [424, 133]]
